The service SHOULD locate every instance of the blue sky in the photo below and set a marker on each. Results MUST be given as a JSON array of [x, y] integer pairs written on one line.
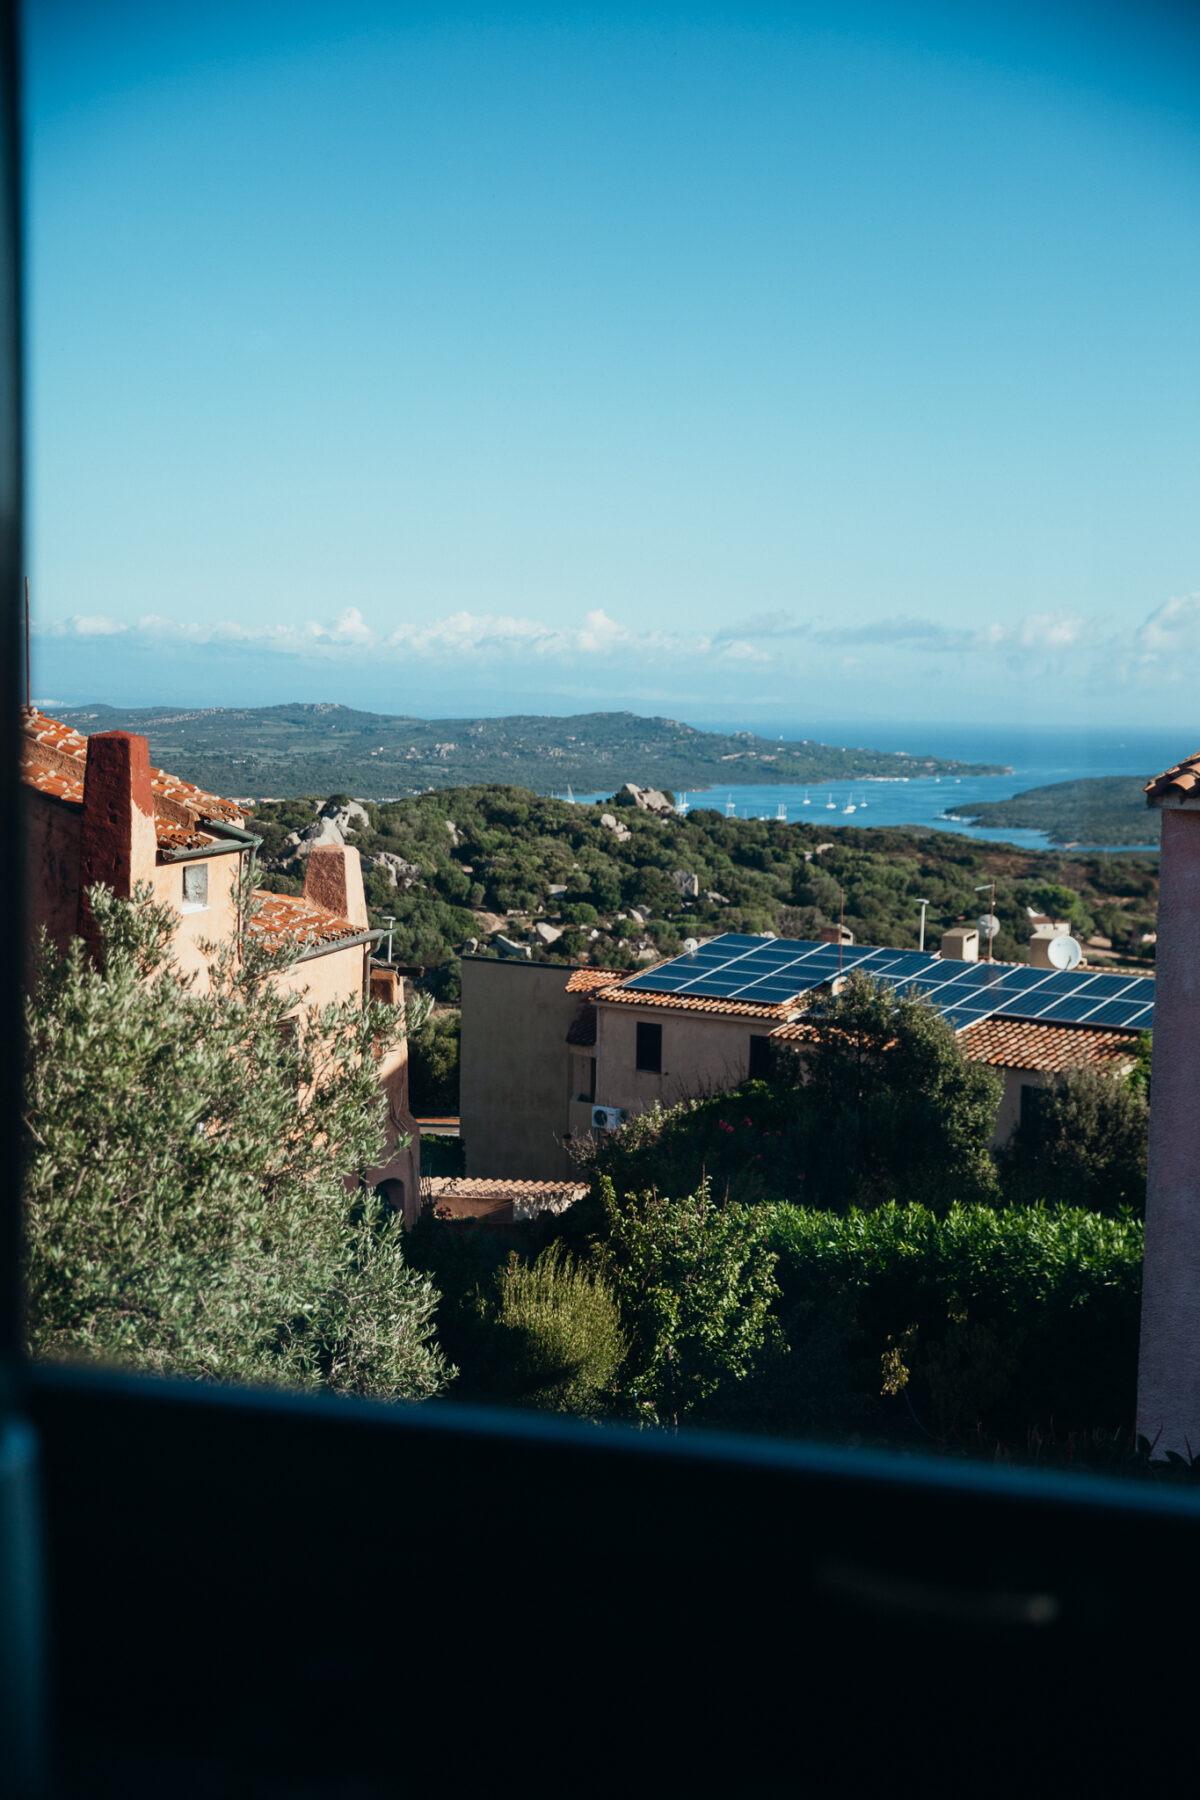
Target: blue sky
[[791, 362]]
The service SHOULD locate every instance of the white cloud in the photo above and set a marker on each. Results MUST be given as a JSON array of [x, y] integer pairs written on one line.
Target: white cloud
[[1051, 631]]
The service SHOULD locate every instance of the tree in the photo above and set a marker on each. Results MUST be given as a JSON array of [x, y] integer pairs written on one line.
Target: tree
[[1083, 1142], [894, 1110], [433, 1065], [694, 1281], [192, 1190]]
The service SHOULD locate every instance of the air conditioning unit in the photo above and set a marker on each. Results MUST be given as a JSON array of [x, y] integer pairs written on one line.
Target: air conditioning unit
[[607, 1118]]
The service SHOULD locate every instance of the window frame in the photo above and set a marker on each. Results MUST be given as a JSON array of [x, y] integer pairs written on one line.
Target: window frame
[[648, 1047]]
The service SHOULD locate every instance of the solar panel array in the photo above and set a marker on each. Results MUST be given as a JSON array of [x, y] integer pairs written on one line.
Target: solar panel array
[[772, 971]]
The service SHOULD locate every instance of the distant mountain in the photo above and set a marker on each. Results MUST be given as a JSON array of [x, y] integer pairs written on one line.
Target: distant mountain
[[285, 751], [1105, 809]]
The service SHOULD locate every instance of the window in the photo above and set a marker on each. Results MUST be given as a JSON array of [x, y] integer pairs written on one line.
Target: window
[[195, 886], [649, 1048], [1033, 1099], [760, 1057]]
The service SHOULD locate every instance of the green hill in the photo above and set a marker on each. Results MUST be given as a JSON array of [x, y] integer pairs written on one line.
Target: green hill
[[1108, 809], [286, 751]]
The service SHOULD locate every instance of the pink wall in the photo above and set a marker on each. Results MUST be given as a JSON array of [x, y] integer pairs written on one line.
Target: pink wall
[[52, 866], [1169, 1360], [216, 924]]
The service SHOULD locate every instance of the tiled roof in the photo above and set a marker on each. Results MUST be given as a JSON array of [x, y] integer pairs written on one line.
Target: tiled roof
[[737, 1009], [486, 1187], [1180, 783], [286, 918], [584, 980], [1026, 1044], [62, 741], [178, 837]]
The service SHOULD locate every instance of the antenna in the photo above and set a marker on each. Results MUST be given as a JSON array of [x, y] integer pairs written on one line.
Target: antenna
[[922, 904], [992, 924], [28, 672], [1064, 952]]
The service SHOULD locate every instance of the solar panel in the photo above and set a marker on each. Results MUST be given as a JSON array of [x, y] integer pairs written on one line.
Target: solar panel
[[1123, 1015], [1075, 1008], [962, 1016], [1009, 976]]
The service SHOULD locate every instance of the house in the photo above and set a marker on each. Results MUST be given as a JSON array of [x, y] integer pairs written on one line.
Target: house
[[97, 811], [586, 1049], [1168, 1402]]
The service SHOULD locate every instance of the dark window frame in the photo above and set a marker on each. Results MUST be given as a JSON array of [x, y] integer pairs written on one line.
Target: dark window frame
[[648, 1047]]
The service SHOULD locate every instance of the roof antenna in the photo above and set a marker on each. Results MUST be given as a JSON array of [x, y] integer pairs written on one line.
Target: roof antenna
[[28, 675], [841, 931]]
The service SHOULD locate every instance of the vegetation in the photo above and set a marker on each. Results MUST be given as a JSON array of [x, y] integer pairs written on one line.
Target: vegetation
[[184, 1215], [1083, 1140], [289, 750], [1107, 809], [433, 1067], [550, 1335], [513, 860]]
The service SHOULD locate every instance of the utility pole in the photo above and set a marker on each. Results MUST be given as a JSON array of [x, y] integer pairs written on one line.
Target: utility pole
[[389, 920], [922, 904], [841, 930]]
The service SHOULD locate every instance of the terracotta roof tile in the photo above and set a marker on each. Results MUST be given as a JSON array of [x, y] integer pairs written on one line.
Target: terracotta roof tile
[[738, 1009], [1026, 1044], [50, 781], [287, 918], [1180, 783], [486, 1187], [584, 980], [64, 741]]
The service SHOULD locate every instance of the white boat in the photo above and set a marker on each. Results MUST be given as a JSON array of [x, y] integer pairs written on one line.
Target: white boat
[[570, 795], [831, 806], [682, 805], [781, 813], [730, 808], [849, 806], [806, 801]]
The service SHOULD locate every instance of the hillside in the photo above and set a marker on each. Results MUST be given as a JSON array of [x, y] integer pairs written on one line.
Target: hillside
[[469, 862], [1107, 809], [286, 751]]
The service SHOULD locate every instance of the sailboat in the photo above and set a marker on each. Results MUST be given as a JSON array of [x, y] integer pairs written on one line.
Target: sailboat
[[681, 805], [730, 808], [570, 795], [831, 805], [781, 813], [849, 806], [806, 801]]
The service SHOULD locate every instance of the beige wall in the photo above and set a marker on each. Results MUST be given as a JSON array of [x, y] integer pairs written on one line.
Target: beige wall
[[214, 924], [515, 1084], [327, 980], [701, 1054], [1009, 1115]]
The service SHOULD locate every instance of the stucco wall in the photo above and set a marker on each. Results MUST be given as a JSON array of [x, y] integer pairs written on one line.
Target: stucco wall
[[215, 924], [701, 1054], [515, 1082], [327, 980], [52, 865], [1009, 1115], [1169, 1360]]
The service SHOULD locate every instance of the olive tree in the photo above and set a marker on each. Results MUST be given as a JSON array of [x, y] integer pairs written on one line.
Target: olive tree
[[192, 1152]]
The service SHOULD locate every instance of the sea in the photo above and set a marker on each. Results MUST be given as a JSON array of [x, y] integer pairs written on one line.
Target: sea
[[1036, 758]]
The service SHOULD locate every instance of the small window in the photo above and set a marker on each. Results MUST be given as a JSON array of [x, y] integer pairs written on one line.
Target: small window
[[760, 1057], [649, 1048], [195, 886]]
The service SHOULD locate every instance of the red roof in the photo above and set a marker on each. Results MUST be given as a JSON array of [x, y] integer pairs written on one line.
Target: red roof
[[289, 919], [1180, 783], [737, 1009], [46, 775], [584, 980], [1026, 1044]]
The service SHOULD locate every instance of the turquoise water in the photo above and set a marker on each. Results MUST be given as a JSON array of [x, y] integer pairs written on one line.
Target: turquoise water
[[1036, 760]]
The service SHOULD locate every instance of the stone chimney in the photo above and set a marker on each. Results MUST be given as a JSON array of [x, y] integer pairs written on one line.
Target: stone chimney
[[333, 880], [1168, 1402], [118, 844], [961, 944], [836, 934]]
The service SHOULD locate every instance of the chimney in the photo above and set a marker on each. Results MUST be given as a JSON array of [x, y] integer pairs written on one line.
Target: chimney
[[836, 934], [118, 844], [1040, 939], [333, 880], [961, 944]]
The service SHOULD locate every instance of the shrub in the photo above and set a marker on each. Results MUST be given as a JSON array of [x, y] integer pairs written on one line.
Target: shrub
[[433, 1065], [554, 1334], [1014, 1316], [1083, 1141]]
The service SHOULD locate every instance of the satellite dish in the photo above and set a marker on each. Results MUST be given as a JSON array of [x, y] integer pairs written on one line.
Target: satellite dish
[[1064, 952], [988, 925], [691, 945]]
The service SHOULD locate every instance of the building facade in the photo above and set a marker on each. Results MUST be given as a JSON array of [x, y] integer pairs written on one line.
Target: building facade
[[96, 811]]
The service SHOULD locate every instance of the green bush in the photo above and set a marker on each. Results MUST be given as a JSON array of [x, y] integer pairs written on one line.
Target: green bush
[[553, 1334], [433, 1064], [1029, 1313]]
